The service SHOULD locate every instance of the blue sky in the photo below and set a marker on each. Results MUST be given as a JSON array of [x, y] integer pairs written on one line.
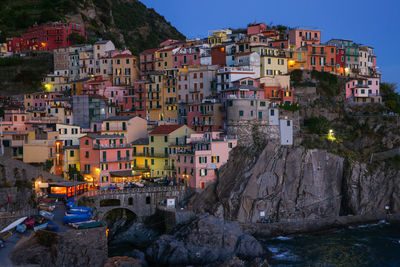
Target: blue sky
[[374, 23]]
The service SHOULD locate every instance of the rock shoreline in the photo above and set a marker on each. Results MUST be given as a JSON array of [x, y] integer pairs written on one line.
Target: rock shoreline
[[265, 230]]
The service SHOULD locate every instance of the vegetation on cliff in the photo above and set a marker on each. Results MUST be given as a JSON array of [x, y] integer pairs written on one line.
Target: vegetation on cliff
[[127, 23]]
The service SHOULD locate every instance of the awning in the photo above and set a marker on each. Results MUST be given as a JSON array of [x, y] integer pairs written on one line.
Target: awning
[[123, 174]]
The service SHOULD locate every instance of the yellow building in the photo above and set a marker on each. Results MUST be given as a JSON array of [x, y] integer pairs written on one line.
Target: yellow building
[[163, 59], [71, 159], [125, 69], [140, 161], [69, 134], [3, 49], [154, 98], [273, 61], [132, 127], [158, 153], [297, 59], [170, 95], [77, 85], [55, 83], [216, 37]]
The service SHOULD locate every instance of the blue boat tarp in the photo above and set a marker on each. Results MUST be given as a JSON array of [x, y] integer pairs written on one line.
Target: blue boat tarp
[[42, 226], [76, 218], [82, 209], [51, 226]]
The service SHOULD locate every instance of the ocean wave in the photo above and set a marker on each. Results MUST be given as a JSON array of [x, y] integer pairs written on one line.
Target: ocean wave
[[283, 238]]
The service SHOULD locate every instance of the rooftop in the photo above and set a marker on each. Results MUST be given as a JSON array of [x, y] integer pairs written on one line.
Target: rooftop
[[120, 118], [105, 136], [166, 129], [141, 141]]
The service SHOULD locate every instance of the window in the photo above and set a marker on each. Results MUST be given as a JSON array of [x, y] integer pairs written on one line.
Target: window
[[203, 172], [152, 139], [288, 123], [152, 161], [241, 113], [230, 145], [148, 200], [262, 104], [87, 154], [86, 142], [71, 153], [166, 139]]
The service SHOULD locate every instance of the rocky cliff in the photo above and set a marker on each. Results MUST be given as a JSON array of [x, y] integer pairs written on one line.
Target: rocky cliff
[[72, 248], [298, 183]]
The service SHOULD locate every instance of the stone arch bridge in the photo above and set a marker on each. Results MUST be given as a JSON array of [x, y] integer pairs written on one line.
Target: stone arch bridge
[[142, 202]]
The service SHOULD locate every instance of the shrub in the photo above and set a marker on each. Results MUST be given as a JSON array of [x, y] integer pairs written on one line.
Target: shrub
[[318, 125], [290, 107]]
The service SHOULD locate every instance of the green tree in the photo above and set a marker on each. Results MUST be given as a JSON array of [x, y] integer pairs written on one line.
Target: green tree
[[48, 165], [72, 171], [318, 125], [390, 96]]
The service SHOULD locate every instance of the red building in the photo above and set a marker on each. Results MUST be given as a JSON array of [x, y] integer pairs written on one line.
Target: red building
[[278, 95], [340, 60], [134, 101], [218, 55], [147, 60], [93, 86], [45, 37]]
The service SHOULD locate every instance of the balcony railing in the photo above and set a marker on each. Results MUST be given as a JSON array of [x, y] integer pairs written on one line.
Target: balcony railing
[[120, 159], [169, 167], [85, 171], [150, 155], [141, 168], [97, 146], [305, 38]]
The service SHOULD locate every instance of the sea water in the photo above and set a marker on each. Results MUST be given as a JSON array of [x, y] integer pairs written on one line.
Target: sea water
[[365, 245]]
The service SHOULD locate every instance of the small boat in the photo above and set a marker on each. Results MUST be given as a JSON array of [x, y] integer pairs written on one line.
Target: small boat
[[42, 226], [90, 225], [13, 225], [76, 218], [5, 235], [75, 225], [51, 226], [21, 228], [47, 207], [46, 214], [82, 209], [48, 200]]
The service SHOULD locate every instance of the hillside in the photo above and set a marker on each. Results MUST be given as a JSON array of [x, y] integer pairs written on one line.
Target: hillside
[[127, 22]]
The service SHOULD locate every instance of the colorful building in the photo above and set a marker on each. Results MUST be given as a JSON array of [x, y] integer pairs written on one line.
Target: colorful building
[[302, 37], [131, 127], [134, 99], [198, 161], [125, 69], [104, 157], [363, 90], [158, 155], [46, 37]]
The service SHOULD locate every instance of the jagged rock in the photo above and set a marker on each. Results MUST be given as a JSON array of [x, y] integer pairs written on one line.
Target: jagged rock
[[292, 183], [73, 248], [123, 262], [206, 241]]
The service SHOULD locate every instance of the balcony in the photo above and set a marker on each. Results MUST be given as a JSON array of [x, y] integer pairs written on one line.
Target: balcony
[[150, 155], [313, 39], [120, 159], [112, 146], [85, 171], [316, 53], [154, 107], [169, 167], [141, 168]]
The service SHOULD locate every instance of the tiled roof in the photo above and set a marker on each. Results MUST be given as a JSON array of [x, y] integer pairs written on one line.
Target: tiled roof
[[166, 129], [141, 141], [149, 51], [123, 56], [119, 118], [104, 136]]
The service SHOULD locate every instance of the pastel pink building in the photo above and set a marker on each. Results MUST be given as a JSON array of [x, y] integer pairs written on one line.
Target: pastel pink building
[[363, 90], [105, 157], [256, 28], [198, 161], [93, 86], [186, 56], [302, 37], [114, 94]]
